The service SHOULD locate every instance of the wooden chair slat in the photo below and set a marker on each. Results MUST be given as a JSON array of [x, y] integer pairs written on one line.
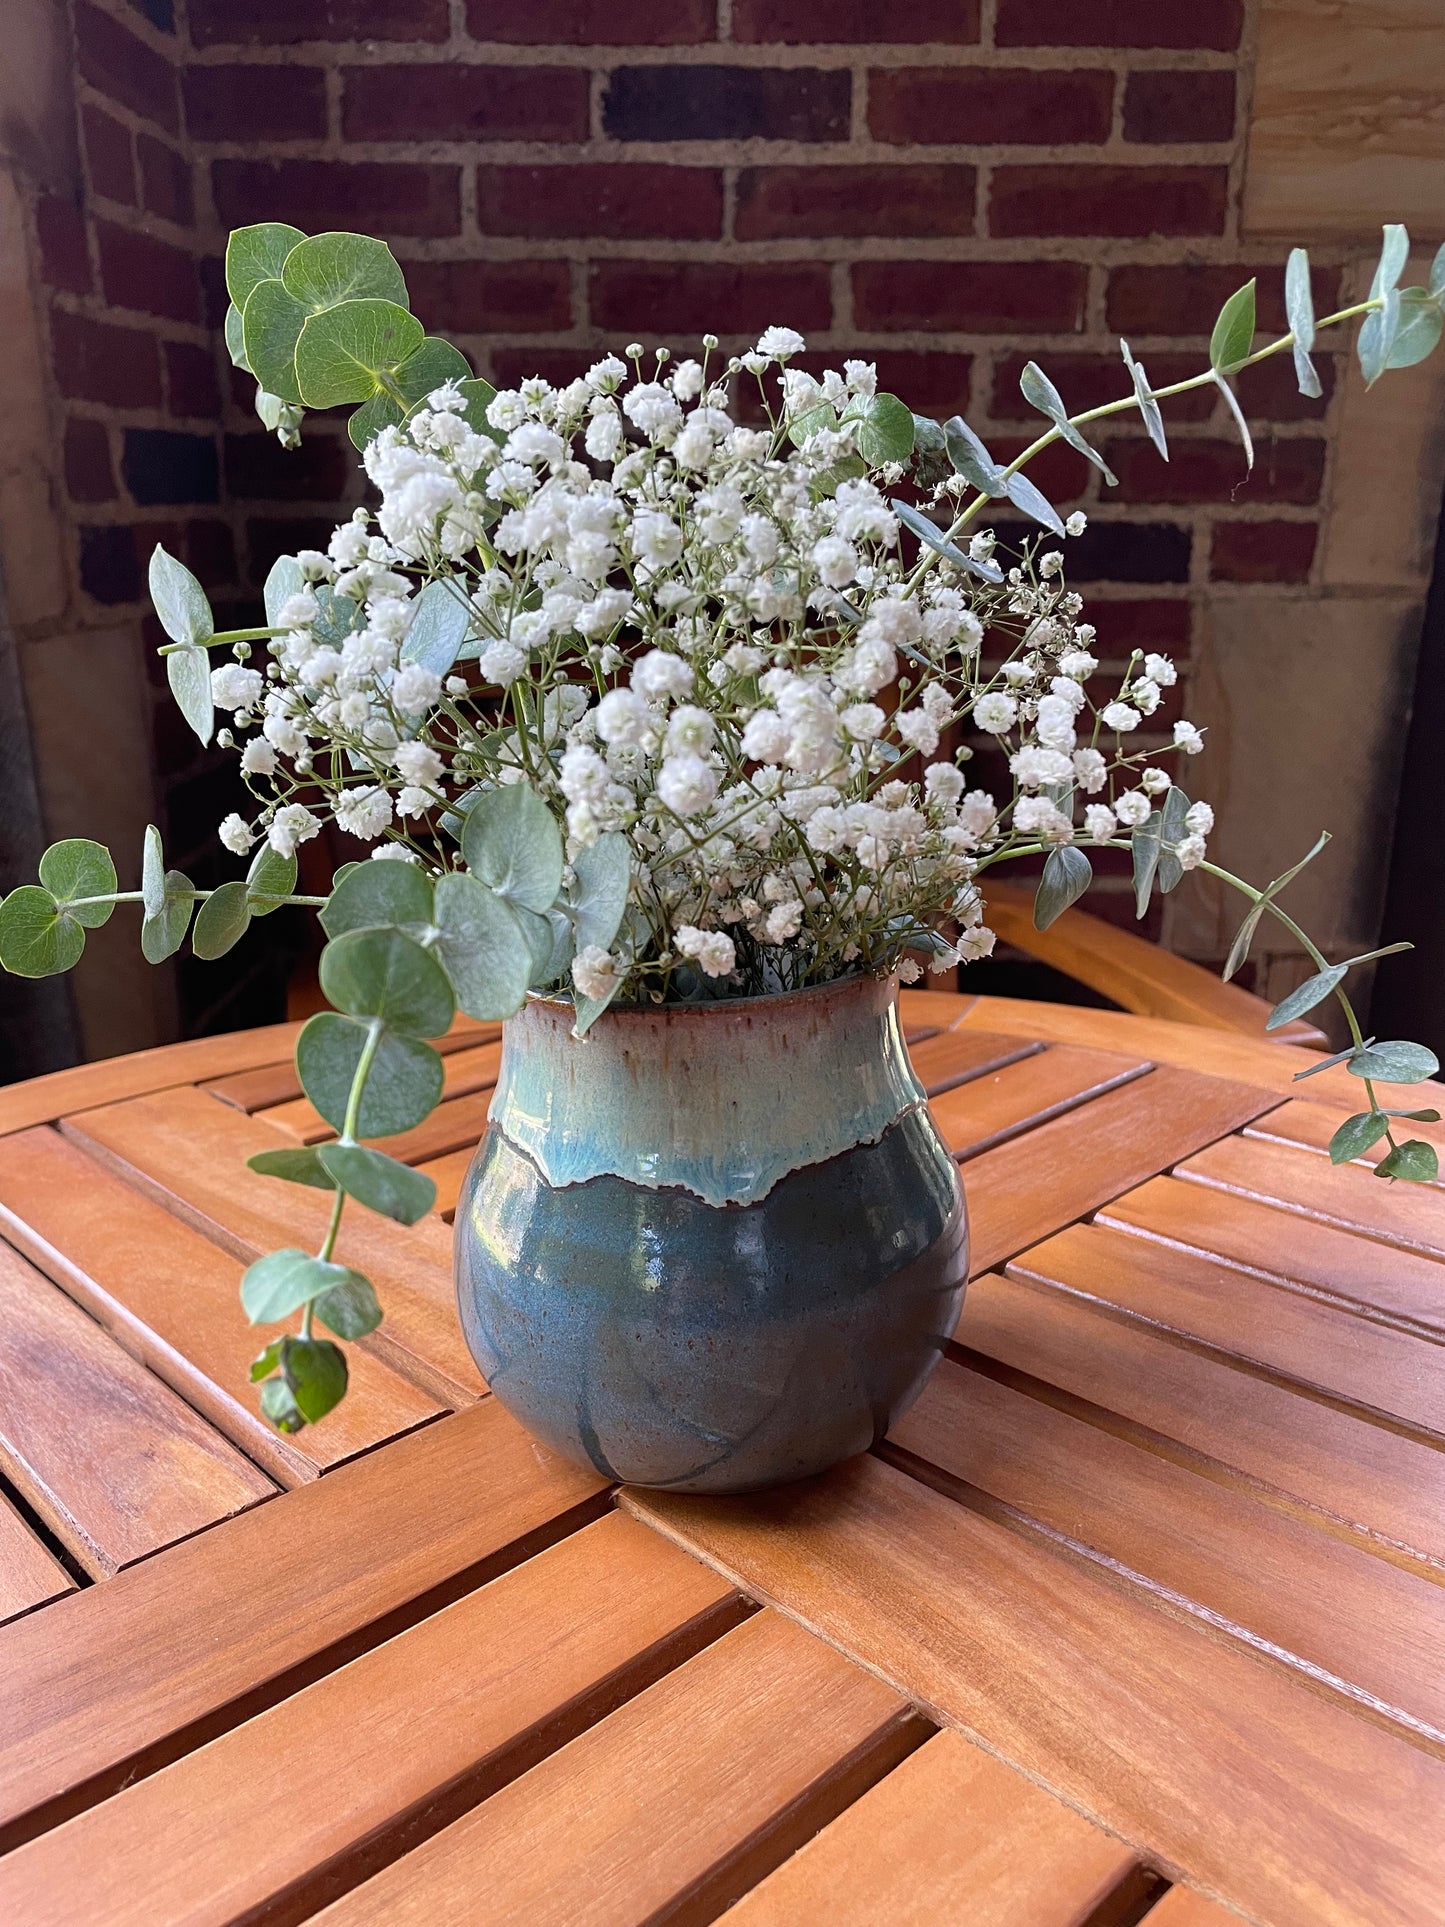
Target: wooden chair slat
[[991, 1109], [1331, 1610], [670, 1808], [1313, 1125], [30, 1575], [190, 1153], [110, 1683], [170, 1297], [1369, 1480], [1349, 1196], [950, 1834], [1355, 1272], [465, 1072], [275, 1084], [417, 1731], [1285, 1803], [110, 1458], [1034, 1184], [949, 1058]]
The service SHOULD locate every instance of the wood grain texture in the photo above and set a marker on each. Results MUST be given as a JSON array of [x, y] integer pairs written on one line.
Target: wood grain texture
[[30, 1575], [951, 1834], [110, 1458], [190, 1152], [1181, 1907], [1370, 1481], [924, 1012], [170, 1297], [1000, 1104], [112, 1682], [1350, 1196], [416, 1732], [669, 1808], [949, 1058], [273, 1084], [1034, 1184], [464, 1073], [1329, 1610], [1276, 1799], [1298, 1339], [1313, 1125]]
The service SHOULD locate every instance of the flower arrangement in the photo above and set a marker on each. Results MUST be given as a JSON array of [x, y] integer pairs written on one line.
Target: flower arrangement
[[652, 687]]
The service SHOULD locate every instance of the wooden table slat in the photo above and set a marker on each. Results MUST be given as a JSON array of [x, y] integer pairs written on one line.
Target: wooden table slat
[[272, 1084], [30, 1574], [465, 1073], [1349, 1196], [953, 1057], [1313, 1125], [990, 1109]]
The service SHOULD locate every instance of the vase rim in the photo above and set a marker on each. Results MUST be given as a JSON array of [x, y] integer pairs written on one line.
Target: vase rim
[[835, 985]]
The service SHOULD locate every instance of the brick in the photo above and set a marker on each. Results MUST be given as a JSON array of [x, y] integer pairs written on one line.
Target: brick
[[211, 273], [983, 106], [1059, 471], [254, 103], [1200, 470], [931, 382], [167, 465], [449, 101], [1269, 392], [904, 201], [1130, 202], [266, 538], [698, 297], [1262, 551], [95, 361], [728, 103], [384, 197], [165, 180], [1092, 381], [205, 546], [502, 297], [1151, 624], [108, 154], [286, 23], [971, 297], [258, 469], [139, 271], [1184, 298], [1163, 107], [557, 365], [120, 65], [109, 568], [616, 201], [1120, 23], [89, 476], [191, 385], [593, 23], [160, 13], [60, 231], [799, 22], [1130, 552]]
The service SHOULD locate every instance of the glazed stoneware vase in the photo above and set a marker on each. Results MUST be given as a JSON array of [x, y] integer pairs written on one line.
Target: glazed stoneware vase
[[711, 1247]]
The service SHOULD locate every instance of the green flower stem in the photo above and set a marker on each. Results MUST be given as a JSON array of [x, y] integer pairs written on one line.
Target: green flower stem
[[221, 641], [181, 896]]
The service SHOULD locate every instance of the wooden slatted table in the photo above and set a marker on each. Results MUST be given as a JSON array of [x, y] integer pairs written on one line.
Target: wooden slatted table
[[1138, 1615]]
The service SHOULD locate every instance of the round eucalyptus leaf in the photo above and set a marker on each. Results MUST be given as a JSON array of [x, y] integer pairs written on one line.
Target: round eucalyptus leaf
[[537, 935], [269, 881], [315, 1370], [327, 269], [402, 1088], [235, 341], [479, 396], [337, 617], [1357, 1134], [153, 872], [1415, 1160], [1396, 1062], [1419, 329], [350, 1310], [79, 868], [281, 1282], [295, 1167], [257, 253], [599, 896], [884, 429], [378, 896], [161, 936], [434, 362], [188, 671], [277, 1402], [438, 628], [35, 939], [221, 921], [283, 581], [178, 599], [512, 842], [271, 324], [385, 974], [342, 353], [381, 1183], [482, 945]]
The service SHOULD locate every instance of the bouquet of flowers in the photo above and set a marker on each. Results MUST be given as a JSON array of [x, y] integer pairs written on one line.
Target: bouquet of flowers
[[652, 687]]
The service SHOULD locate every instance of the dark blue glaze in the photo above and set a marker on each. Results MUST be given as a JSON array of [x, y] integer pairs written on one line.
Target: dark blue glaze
[[670, 1342]]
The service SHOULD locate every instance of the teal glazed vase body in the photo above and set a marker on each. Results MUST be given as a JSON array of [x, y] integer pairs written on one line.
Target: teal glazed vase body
[[711, 1247]]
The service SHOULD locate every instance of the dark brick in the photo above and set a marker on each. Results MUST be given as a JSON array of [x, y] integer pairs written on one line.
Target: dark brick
[[384, 197], [1120, 23], [439, 101], [1199, 470], [284, 23], [64, 257], [255, 103], [166, 465], [617, 201], [258, 469], [160, 13], [931, 382], [1131, 202], [108, 152], [503, 297], [593, 23], [1130, 552], [267, 538], [122, 66], [1058, 470], [728, 103], [89, 476], [903, 201], [1184, 298], [204, 545], [139, 271], [1092, 381], [211, 273], [987, 105], [109, 568], [1262, 551], [1152, 624], [800, 22], [1163, 107], [1269, 392], [695, 297], [557, 365], [972, 297], [165, 180], [95, 361], [191, 384]]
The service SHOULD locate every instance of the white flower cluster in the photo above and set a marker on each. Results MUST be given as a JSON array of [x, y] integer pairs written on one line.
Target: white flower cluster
[[706, 634]]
